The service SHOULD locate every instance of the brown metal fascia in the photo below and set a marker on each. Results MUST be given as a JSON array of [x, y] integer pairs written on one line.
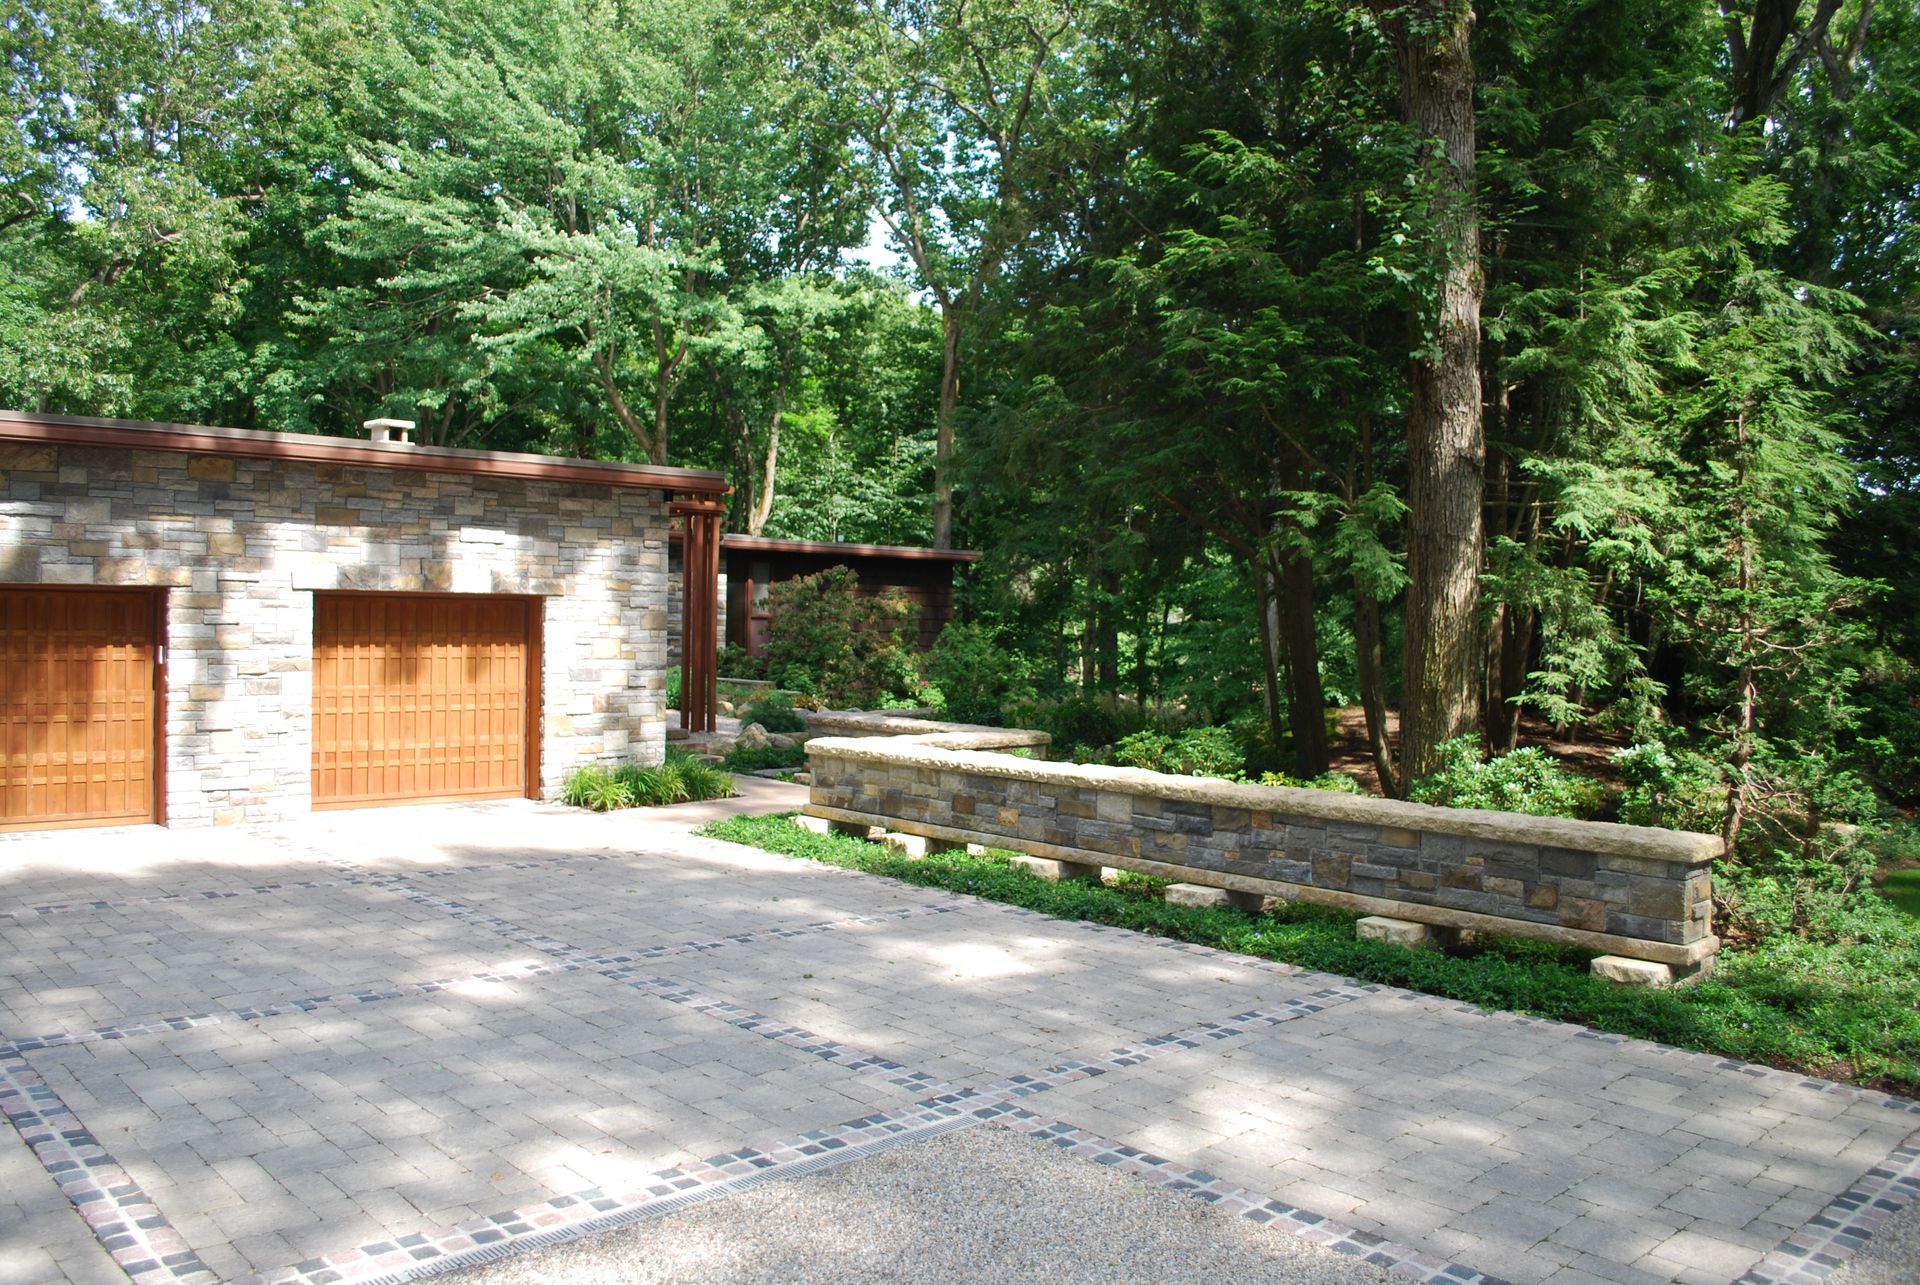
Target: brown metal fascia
[[768, 544], [301, 448]]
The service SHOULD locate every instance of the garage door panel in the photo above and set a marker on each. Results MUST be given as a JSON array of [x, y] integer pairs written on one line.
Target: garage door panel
[[419, 697], [77, 707]]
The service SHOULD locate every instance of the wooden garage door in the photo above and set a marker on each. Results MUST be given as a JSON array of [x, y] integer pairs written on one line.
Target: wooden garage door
[[420, 698], [77, 701]]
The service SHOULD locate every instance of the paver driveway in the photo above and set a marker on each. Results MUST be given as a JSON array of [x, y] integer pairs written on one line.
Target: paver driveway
[[393, 1041]]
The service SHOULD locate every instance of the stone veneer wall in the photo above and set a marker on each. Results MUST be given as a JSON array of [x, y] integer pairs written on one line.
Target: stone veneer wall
[[1628, 890], [241, 545]]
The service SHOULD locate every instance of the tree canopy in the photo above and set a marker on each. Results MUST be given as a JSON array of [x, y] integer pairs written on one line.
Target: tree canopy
[[1539, 361]]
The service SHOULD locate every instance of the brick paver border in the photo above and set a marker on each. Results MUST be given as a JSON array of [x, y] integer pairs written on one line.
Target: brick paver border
[[122, 1217], [1837, 1232]]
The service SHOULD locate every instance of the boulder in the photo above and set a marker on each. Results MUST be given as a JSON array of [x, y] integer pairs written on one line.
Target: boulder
[[753, 737]]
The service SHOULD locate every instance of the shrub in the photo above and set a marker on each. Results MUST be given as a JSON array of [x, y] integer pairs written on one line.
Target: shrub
[[827, 639], [1526, 780], [1082, 723], [1673, 788], [1202, 751], [775, 712], [734, 662], [977, 676], [681, 779], [675, 677], [1332, 782], [772, 756]]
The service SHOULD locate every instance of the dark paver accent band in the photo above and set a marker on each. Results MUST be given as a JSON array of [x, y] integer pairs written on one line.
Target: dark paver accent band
[[1837, 1232], [598, 1209], [122, 1217]]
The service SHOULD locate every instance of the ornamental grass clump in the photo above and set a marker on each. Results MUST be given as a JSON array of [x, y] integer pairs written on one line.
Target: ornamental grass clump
[[681, 779]]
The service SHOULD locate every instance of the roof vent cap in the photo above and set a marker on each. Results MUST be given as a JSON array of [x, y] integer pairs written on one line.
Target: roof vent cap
[[389, 430]]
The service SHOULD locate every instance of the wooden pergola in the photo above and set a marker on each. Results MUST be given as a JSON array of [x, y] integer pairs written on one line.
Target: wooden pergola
[[699, 603]]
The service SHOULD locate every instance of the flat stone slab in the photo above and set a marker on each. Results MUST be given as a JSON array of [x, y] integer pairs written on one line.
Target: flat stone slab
[[1204, 897], [1398, 932], [1055, 871], [1631, 972]]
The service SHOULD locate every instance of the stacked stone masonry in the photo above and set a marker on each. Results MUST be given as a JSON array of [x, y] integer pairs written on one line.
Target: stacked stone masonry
[[1638, 892], [241, 546]]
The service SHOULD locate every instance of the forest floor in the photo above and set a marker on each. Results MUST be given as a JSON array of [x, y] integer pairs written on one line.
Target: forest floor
[[1584, 751]]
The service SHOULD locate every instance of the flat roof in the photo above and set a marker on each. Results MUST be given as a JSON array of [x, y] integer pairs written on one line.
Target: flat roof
[[768, 544], [311, 448]]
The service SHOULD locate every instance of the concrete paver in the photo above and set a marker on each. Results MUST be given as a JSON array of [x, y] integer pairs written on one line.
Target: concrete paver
[[418, 1037]]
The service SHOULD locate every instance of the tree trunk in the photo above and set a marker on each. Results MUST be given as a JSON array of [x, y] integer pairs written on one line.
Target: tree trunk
[[1272, 661], [1446, 443], [1373, 686], [1510, 678], [943, 432], [762, 507], [1306, 699], [1107, 613]]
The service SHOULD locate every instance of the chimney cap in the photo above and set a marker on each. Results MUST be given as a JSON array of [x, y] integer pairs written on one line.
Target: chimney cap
[[383, 430]]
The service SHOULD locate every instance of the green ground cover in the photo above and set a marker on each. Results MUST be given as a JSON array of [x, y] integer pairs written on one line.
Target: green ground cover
[[1849, 1012]]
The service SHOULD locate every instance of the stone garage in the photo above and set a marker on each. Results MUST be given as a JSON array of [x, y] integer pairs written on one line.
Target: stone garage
[[206, 626]]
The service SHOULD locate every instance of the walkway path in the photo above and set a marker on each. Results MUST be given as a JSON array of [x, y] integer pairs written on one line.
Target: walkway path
[[388, 1042]]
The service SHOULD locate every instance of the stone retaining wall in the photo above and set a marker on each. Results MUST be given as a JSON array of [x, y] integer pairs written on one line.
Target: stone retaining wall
[[1632, 891]]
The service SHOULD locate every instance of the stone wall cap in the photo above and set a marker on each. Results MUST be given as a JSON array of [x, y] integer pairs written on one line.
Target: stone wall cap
[[1604, 837], [905, 724]]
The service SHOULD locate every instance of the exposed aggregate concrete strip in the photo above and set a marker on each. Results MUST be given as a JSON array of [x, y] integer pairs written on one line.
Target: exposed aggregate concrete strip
[[982, 1204], [1890, 1257]]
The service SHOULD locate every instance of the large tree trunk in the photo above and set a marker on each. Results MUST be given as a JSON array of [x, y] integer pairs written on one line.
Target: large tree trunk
[[1373, 686], [1306, 699], [943, 432], [1446, 443], [1272, 654]]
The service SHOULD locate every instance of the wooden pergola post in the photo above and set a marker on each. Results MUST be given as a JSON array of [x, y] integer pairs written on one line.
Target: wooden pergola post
[[699, 604]]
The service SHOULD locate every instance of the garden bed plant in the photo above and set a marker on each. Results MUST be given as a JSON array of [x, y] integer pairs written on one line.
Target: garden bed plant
[[681, 779]]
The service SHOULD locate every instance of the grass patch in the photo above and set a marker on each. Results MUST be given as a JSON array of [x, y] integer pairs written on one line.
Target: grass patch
[[1902, 888], [681, 779], [1845, 1012]]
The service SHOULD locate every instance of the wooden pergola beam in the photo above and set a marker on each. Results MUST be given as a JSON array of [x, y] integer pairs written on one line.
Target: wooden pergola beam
[[699, 603]]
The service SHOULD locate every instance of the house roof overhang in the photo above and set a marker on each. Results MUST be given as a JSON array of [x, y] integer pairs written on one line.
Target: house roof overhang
[[306, 448]]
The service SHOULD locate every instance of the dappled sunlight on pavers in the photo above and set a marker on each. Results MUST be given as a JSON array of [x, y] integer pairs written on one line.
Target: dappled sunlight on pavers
[[1521, 1147], [393, 1040], [295, 1134], [74, 972]]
